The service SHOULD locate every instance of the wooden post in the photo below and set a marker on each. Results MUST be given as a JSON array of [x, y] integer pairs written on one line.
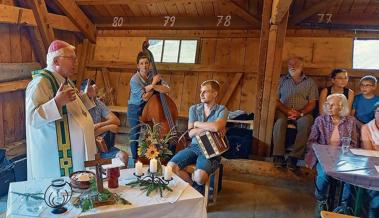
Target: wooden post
[[98, 162], [82, 62], [263, 45], [271, 64]]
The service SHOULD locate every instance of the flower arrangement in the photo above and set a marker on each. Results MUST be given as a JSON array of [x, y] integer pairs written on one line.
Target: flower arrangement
[[152, 144]]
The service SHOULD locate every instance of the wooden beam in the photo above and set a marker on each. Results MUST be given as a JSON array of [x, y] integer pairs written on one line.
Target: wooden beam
[[255, 33], [40, 14], [174, 67], [108, 87], [123, 2], [279, 10], [325, 72], [61, 23], [185, 34], [82, 62], [13, 86], [345, 21], [271, 77], [77, 16], [25, 17], [241, 12], [298, 18], [262, 58], [301, 32], [181, 23], [15, 15], [37, 44], [231, 87], [17, 71]]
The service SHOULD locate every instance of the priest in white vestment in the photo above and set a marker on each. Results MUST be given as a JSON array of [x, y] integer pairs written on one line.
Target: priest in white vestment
[[59, 128]]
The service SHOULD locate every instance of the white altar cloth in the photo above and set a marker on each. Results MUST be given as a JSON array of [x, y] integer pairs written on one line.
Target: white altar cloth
[[183, 202]]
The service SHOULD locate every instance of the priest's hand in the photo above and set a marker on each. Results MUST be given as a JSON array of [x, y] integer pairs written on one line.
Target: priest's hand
[[64, 95]]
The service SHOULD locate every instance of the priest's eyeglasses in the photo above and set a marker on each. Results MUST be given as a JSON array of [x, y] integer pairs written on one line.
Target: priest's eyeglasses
[[73, 58]]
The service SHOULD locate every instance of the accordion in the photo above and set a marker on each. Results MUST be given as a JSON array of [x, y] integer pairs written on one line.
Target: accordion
[[212, 144]]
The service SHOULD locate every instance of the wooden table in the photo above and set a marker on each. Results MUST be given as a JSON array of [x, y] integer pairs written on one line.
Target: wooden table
[[356, 170]]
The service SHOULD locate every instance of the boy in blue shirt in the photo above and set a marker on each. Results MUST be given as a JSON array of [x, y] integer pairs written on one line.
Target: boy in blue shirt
[[363, 105]]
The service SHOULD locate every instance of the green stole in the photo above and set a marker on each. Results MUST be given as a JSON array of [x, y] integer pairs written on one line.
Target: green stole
[[61, 127]]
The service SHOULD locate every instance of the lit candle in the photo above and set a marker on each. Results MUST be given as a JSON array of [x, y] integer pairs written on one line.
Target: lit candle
[[138, 168], [168, 173], [153, 165]]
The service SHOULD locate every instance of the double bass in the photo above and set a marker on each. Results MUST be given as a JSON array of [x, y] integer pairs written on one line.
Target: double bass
[[160, 108]]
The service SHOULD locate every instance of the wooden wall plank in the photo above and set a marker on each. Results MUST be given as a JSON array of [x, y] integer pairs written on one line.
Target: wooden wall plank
[[114, 77], [237, 56], [223, 50], [207, 56], [189, 92], [123, 89], [26, 48], [17, 71], [176, 85], [10, 110], [5, 56], [15, 43]]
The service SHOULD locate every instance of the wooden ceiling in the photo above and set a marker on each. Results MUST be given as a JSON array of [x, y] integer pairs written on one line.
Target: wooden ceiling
[[245, 14]]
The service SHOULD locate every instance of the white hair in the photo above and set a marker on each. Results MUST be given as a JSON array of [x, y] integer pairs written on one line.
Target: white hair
[[50, 57], [343, 103]]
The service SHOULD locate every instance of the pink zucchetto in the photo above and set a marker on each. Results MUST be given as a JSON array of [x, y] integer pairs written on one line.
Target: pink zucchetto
[[57, 48]]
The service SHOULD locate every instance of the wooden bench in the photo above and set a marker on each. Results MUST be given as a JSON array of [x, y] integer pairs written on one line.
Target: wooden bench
[[120, 111]]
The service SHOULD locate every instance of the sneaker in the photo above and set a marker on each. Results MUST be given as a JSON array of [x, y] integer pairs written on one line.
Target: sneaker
[[279, 161], [199, 188], [320, 206], [292, 163], [344, 209]]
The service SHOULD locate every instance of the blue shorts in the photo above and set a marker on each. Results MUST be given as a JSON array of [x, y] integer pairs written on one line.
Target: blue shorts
[[111, 153], [193, 155]]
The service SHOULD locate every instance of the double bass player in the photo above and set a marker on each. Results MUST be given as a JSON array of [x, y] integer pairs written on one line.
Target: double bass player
[[142, 86]]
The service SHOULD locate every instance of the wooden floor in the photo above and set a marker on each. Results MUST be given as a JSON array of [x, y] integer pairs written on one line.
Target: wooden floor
[[254, 189], [246, 195]]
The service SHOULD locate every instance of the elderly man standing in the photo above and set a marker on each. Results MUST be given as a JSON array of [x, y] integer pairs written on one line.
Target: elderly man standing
[[59, 128], [297, 98]]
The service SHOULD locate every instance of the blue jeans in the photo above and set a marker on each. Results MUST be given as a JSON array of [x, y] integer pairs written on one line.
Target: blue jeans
[[373, 211], [193, 155], [322, 184], [134, 112]]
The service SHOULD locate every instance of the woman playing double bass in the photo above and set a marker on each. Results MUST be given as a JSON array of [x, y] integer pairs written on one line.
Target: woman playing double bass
[[142, 86]]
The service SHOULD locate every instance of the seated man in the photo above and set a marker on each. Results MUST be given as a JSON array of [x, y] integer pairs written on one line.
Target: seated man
[[106, 125], [297, 98], [206, 116]]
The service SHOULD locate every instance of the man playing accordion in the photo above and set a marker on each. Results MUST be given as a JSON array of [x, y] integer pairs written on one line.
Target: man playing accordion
[[205, 116]]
